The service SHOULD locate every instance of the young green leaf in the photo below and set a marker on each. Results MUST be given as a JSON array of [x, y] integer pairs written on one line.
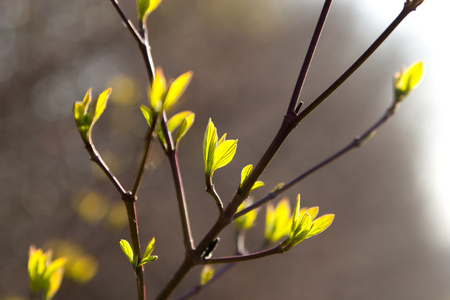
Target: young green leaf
[[147, 254], [53, 283], [295, 218], [224, 153], [277, 221], [102, 100], [147, 114], [145, 7], [85, 116], [157, 91], [126, 249], [177, 89], [407, 80], [245, 173], [184, 127], [149, 248], [246, 221], [320, 224], [209, 146], [207, 274]]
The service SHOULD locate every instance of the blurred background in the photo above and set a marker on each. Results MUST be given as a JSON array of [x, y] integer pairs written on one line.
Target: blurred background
[[391, 235]]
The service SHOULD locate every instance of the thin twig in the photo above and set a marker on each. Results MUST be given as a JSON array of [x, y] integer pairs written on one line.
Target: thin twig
[[405, 11], [308, 57], [356, 143], [176, 174], [95, 157], [212, 191], [145, 156]]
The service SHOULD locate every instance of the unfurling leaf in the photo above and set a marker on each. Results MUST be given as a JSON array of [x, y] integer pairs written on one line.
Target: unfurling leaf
[[320, 224], [183, 121], [85, 116], [278, 221], [157, 91], [206, 275], [246, 221], [216, 154], [245, 173], [177, 89], [303, 225], [148, 257], [126, 249], [209, 145], [184, 127], [145, 7], [44, 274], [147, 115], [407, 80]]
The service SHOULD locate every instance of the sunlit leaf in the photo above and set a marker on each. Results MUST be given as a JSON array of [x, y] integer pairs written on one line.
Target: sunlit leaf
[[148, 259], [256, 185], [147, 254], [245, 173], [282, 218], [407, 80], [320, 224], [157, 91], [246, 221], [145, 7], [184, 127], [224, 153], [176, 120], [313, 211], [147, 114], [53, 284], [209, 145], [126, 249], [102, 100], [295, 218], [177, 89], [149, 248], [206, 275]]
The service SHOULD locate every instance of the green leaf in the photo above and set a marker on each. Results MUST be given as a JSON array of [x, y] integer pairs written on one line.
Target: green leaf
[[85, 116], [206, 275], [147, 254], [176, 120], [224, 153], [313, 211], [256, 185], [126, 249], [245, 173], [36, 267], [246, 221], [102, 100], [148, 259], [278, 221], [184, 127], [320, 224], [209, 145], [407, 80], [53, 283], [145, 7], [149, 248], [147, 114], [157, 91], [295, 218], [177, 89], [53, 267]]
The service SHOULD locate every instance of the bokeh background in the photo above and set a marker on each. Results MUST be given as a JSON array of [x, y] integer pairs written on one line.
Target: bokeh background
[[390, 238]]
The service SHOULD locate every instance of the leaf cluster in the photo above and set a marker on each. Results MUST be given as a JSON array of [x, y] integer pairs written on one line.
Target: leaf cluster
[[43, 273], [133, 258]]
